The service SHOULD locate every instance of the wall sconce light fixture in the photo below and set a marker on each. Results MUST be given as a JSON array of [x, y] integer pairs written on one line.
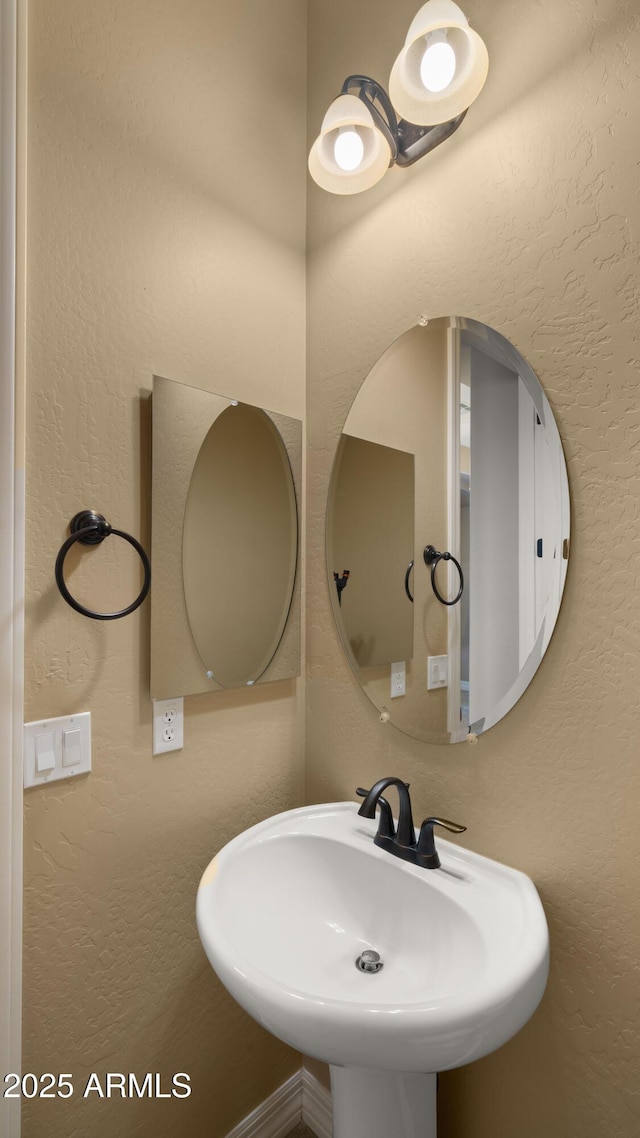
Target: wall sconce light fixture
[[440, 71]]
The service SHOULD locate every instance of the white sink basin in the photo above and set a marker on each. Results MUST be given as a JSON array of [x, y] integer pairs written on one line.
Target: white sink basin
[[285, 909]]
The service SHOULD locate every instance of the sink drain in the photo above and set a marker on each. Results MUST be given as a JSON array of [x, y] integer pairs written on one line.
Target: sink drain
[[369, 961]]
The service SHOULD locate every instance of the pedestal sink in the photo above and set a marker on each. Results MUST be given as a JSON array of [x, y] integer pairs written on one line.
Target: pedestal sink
[[287, 909]]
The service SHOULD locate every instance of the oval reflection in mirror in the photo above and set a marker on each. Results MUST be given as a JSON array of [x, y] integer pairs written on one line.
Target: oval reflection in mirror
[[451, 443], [239, 547]]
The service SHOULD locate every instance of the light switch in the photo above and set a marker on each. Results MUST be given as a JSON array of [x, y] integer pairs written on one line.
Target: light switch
[[45, 752], [438, 672], [57, 748], [71, 747]]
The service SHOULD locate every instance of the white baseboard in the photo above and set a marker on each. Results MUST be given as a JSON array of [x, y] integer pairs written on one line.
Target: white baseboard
[[301, 1098], [316, 1106], [277, 1115]]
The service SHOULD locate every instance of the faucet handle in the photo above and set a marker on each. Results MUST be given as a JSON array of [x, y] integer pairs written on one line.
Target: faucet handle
[[426, 849], [386, 828], [453, 827]]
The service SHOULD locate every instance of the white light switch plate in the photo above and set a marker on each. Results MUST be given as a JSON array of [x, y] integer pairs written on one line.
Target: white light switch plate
[[438, 675], [57, 748]]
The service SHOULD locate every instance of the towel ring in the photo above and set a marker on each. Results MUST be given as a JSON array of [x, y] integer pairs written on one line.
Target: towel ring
[[90, 528], [432, 557]]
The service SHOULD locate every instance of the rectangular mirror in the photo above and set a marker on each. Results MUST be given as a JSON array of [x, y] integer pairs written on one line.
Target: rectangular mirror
[[225, 604], [371, 543]]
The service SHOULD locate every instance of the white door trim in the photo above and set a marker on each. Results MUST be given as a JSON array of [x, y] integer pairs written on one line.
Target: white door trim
[[11, 572]]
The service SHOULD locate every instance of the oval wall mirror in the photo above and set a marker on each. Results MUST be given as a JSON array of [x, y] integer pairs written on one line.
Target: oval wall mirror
[[448, 530], [239, 545]]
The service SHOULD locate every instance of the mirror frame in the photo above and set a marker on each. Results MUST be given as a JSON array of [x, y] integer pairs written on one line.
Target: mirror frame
[[178, 432]]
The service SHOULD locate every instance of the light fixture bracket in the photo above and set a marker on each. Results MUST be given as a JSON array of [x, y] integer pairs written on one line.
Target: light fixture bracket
[[407, 141], [416, 141]]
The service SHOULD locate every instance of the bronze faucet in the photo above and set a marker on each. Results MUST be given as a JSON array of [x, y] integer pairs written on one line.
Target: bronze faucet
[[402, 843]]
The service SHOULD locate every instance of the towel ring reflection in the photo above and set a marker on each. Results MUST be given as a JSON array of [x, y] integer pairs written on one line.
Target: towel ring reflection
[[432, 557], [341, 583], [91, 528], [406, 581]]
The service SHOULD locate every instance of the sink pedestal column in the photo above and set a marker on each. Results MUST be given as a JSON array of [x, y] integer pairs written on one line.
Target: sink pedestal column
[[382, 1104]]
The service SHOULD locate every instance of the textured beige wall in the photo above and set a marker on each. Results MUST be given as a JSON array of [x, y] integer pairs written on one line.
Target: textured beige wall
[[166, 235], [528, 220]]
